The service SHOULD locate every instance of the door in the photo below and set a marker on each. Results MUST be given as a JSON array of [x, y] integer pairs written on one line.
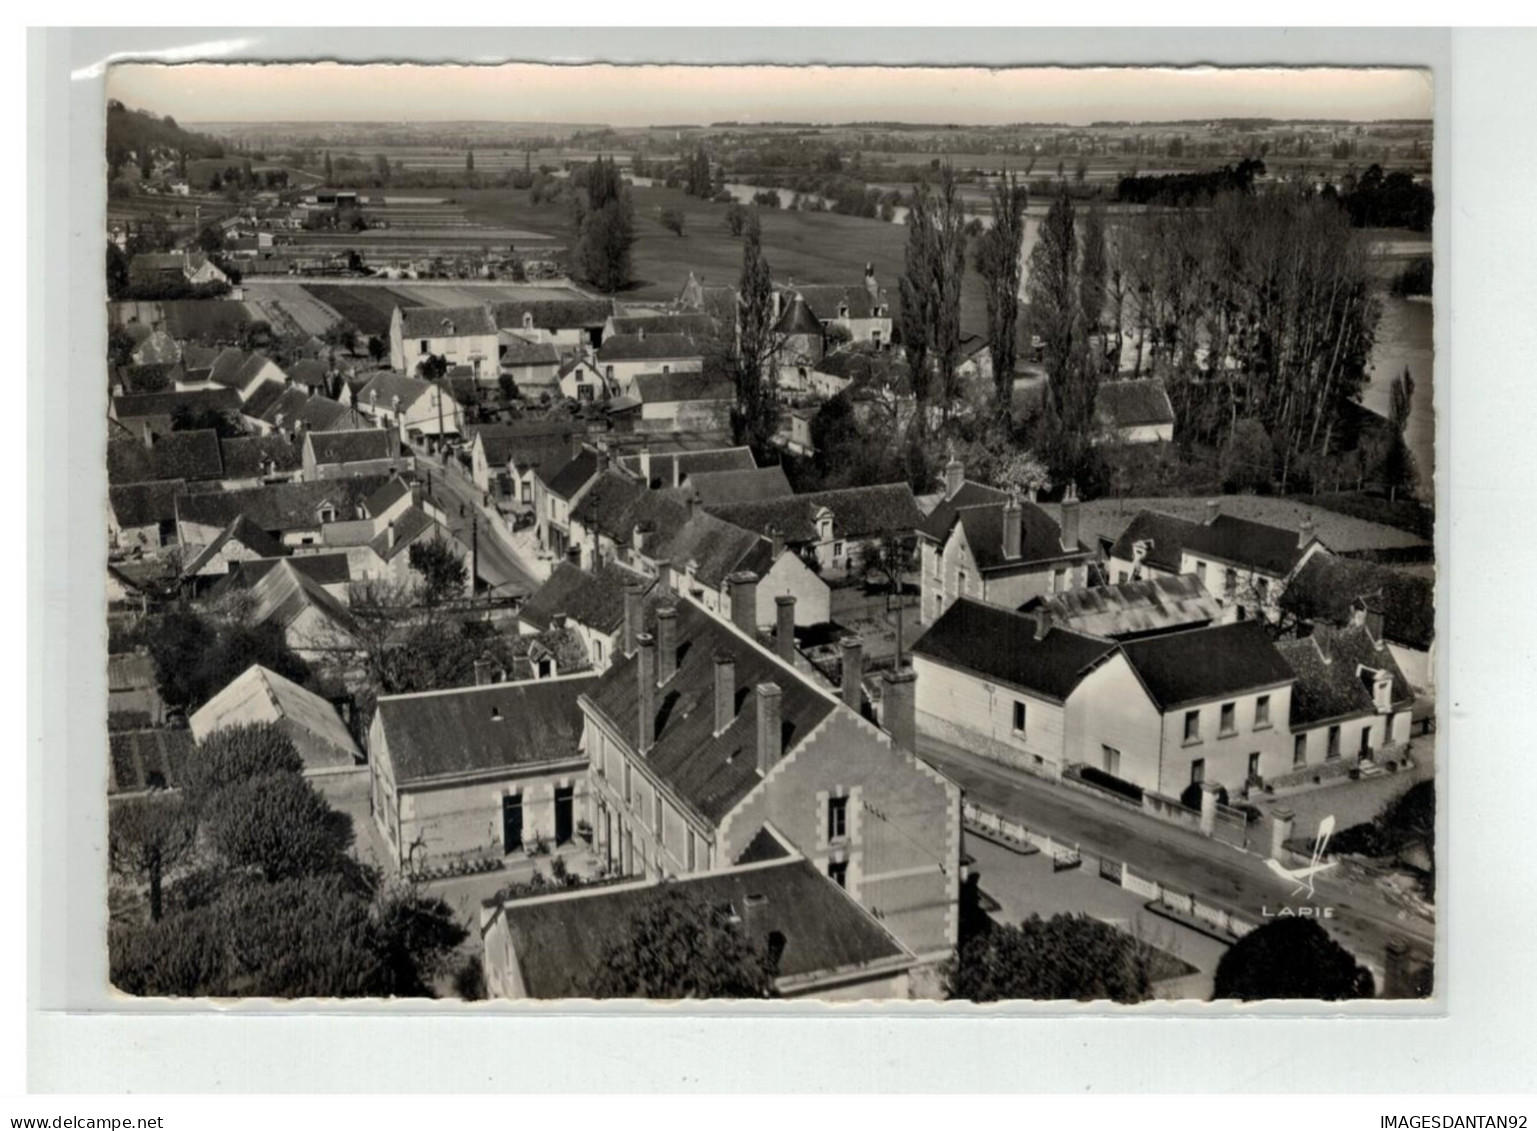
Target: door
[[1366, 742], [512, 822], [1112, 760], [565, 802]]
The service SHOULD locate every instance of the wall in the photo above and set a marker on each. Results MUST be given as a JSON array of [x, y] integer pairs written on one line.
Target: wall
[[975, 714], [1227, 756], [1011, 590], [789, 574], [478, 351], [685, 416], [1145, 433], [466, 819], [1110, 707], [623, 373]]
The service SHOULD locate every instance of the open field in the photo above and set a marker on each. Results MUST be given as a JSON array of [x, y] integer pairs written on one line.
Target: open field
[[368, 304], [367, 308]]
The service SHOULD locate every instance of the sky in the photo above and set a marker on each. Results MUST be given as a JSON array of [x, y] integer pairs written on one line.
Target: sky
[[667, 95]]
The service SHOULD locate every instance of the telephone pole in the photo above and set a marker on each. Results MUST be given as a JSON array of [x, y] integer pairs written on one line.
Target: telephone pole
[[474, 553]]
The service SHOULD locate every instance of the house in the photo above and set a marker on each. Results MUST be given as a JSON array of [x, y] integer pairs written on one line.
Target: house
[[479, 771], [1134, 411], [624, 356], [558, 487], [193, 268], [261, 696], [1132, 609], [378, 539], [312, 376], [799, 337], [159, 348], [699, 737], [729, 569], [975, 359], [329, 571], [722, 488], [1351, 705], [592, 603], [579, 379], [241, 540], [420, 411], [295, 513], [315, 624], [250, 461], [863, 312], [658, 469], [839, 529], [870, 375], [274, 409], [1152, 545], [142, 516], [504, 457], [825, 945], [564, 322], [359, 451], [533, 366], [321, 414], [461, 335], [683, 402], [242, 371], [156, 414], [191, 456], [718, 302], [693, 324]]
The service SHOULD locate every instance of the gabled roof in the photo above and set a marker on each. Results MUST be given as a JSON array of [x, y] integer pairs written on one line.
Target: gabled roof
[[610, 496], [519, 351], [410, 524], [664, 464], [1040, 536], [709, 772], [354, 445], [1000, 644], [1133, 608], [1241, 542], [554, 314], [690, 325], [558, 941], [263, 397], [390, 492], [664, 510], [1330, 681], [445, 321], [144, 504], [323, 569], [286, 409], [1327, 588], [937, 523], [309, 374], [259, 695], [1164, 536], [858, 512], [717, 549], [718, 488], [1127, 404], [235, 369], [476, 730], [580, 470], [188, 455], [157, 349], [825, 300], [283, 593], [321, 414], [278, 507], [243, 532], [1207, 663], [669, 388], [594, 599], [527, 442], [383, 387], [136, 405], [647, 347], [247, 456]]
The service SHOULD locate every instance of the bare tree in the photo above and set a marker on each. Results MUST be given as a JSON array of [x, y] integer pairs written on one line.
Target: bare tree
[[147, 837]]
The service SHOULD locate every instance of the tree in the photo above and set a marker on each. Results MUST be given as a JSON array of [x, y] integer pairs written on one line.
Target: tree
[[278, 825], [1291, 958], [676, 945], [672, 219], [998, 262], [197, 656], [232, 755], [329, 172], [1248, 458], [1066, 957], [604, 222], [736, 219], [378, 348], [148, 837], [117, 271], [341, 335], [469, 163], [1056, 316], [120, 345], [433, 367], [1398, 467], [440, 567], [755, 369], [1094, 277]]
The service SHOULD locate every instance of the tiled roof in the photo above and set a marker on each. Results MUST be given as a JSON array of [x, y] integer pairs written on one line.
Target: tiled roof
[[323, 569], [825, 301], [574, 474], [1133, 608], [285, 411], [243, 532], [279, 506], [137, 405], [1241, 542], [383, 387], [247, 456], [937, 523], [144, 504], [264, 396], [663, 464], [518, 351], [669, 388], [553, 314], [235, 369], [718, 488], [690, 325], [1329, 683], [709, 772], [663, 509], [607, 499], [559, 940], [717, 548], [1207, 663], [356, 445], [321, 414], [259, 695], [188, 455], [445, 321], [157, 349], [647, 347], [1326, 588], [478, 729], [1040, 536], [390, 492], [529, 442], [1000, 644], [1165, 537], [409, 525], [858, 512], [151, 378], [593, 599], [283, 592], [309, 373], [1126, 404]]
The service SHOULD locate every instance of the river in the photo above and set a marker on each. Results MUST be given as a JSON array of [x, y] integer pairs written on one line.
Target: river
[[1405, 340]]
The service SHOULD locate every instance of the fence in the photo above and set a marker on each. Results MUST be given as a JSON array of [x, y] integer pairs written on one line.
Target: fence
[[1000, 827]]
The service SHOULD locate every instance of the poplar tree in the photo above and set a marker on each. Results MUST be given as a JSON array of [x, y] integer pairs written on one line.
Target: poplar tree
[[998, 262]]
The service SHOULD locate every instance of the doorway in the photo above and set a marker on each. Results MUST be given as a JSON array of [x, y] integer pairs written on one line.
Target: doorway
[[512, 822], [565, 805]]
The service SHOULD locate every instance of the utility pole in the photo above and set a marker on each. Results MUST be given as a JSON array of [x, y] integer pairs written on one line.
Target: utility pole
[[474, 553]]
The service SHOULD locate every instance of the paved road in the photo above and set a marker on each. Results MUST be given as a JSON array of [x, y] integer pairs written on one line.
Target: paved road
[[1364, 919], [498, 567]]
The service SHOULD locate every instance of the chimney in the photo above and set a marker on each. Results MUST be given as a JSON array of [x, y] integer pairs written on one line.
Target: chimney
[[898, 706], [955, 476], [557, 621], [640, 333], [677, 478], [725, 690], [390, 534], [666, 644], [483, 671], [1070, 519], [645, 669], [634, 611], [870, 285], [777, 541], [770, 730], [784, 627], [1213, 508], [744, 601], [1372, 619], [1305, 533], [1042, 623], [1013, 529], [853, 672]]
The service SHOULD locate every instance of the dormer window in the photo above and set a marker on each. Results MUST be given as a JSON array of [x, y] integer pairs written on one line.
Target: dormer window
[[327, 513], [528, 320], [843, 310]]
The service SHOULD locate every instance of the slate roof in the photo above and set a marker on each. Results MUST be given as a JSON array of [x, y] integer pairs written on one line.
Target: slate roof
[[824, 300], [858, 512], [554, 314], [1165, 534], [144, 504], [1133, 608], [937, 523], [283, 593], [354, 445], [999, 644], [133, 406], [690, 325], [1127, 404], [472, 730], [247, 456], [529, 442], [689, 463], [445, 321], [519, 351], [1040, 536], [797, 318], [278, 507], [260, 695], [717, 548], [574, 474], [1242, 542], [593, 599], [1329, 681], [1326, 588], [323, 569], [559, 940], [390, 492], [669, 388], [1207, 663], [235, 369], [710, 773], [718, 488], [242, 531], [309, 374], [188, 455], [647, 347]]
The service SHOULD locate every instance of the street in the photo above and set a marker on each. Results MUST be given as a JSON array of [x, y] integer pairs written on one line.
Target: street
[[500, 570]]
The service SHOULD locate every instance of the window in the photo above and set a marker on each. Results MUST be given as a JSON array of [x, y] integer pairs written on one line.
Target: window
[[1230, 581], [422, 346], [657, 824], [666, 369], [1200, 572], [597, 651], [838, 873], [1262, 712], [837, 549], [1262, 589], [875, 336], [1120, 577], [1334, 743], [1366, 742], [608, 371], [1198, 771], [837, 818], [1229, 719], [1110, 759], [1059, 581], [627, 793], [689, 850], [1019, 717], [1300, 750], [1192, 726], [1254, 766]]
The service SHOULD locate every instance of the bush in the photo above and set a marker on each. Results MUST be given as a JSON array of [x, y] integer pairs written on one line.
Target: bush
[[470, 979], [672, 219], [1112, 783], [1191, 798]]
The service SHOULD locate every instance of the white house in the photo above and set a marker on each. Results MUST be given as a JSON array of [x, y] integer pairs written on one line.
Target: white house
[[461, 335]]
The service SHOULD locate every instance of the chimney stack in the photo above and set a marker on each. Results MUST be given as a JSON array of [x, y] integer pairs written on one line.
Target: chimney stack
[[1042, 623], [744, 601], [1013, 528], [646, 679], [634, 610], [482, 671], [770, 730], [784, 627], [666, 644], [899, 706], [777, 541], [1305, 533], [1070, 518], [1213, 508], [955, 476], [390, 534], [725, 690], [853, 672]]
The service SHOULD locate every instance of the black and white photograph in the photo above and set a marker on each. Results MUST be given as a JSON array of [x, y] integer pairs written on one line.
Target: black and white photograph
[[853, 534]]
